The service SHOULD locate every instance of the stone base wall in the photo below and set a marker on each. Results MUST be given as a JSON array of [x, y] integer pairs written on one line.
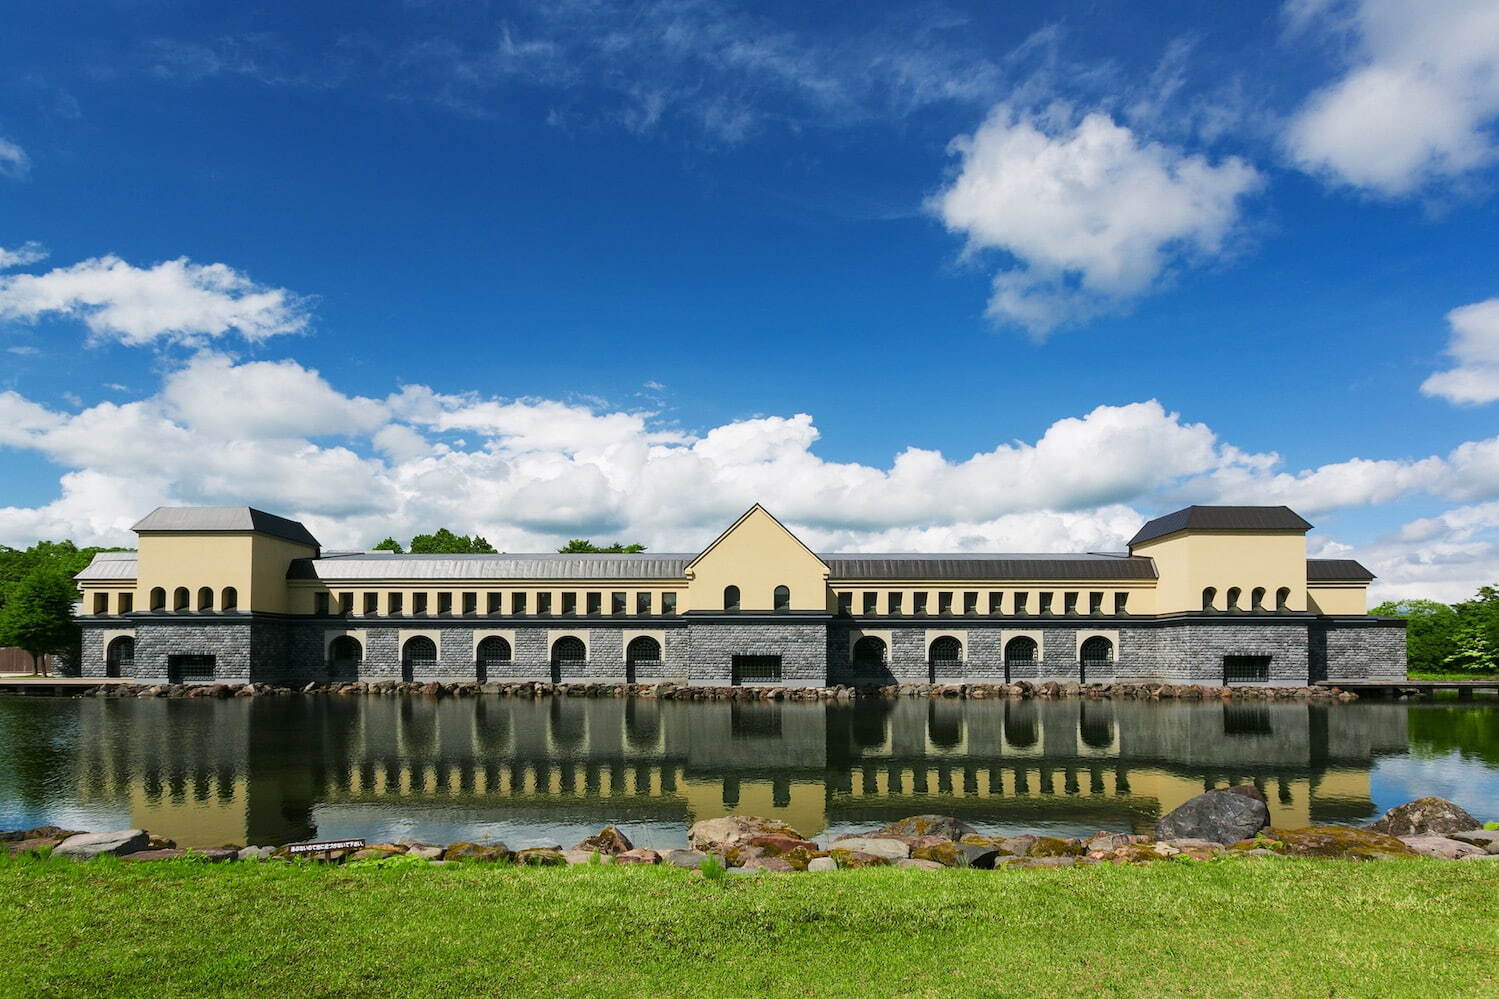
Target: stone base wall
[[814, 653]]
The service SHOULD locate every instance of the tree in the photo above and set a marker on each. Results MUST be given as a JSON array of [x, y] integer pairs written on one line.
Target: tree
[[390, 545], [38, 615], [1474, 654], [445, 542], [1430, 631], [582, 546]]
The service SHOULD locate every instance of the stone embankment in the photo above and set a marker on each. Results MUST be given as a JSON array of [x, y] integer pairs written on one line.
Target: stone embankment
[[1225, 824], [1048, 690]]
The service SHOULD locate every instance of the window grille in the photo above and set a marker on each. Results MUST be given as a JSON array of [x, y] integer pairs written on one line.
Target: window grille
[[756, 669], [1246, 669]]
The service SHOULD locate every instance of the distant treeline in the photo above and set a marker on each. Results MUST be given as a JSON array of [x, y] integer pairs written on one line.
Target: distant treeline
[[445, 542], [37, 595], [1450, 638]]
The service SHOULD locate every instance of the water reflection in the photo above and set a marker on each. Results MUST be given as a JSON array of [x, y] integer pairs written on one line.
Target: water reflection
[[274, 770]]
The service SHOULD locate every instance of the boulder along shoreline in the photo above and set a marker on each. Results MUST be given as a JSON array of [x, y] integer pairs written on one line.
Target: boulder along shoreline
[[1222, 824]]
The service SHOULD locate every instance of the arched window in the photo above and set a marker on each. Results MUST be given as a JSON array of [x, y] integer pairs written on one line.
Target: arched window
[[869, 651], [782, 598], [946, 649], [345, 652], [419, 651], [731, 598], [1257, 598], [205, 598], [1283, 598], [1209, 594], [229, 599], [1020, 651], [1097, 651], [1232, 597], [180, 599], [568, 649], [158, 598], [119, 658], [492, 651], [643, 649]]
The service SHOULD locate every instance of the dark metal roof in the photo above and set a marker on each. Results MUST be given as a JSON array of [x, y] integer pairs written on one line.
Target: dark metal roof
[[995, 566], [1221, 518], [386, 565], [222, 519], [1322, 570]]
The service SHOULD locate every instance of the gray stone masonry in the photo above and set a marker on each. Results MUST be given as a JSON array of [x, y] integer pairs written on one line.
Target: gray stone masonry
[[802, 646]]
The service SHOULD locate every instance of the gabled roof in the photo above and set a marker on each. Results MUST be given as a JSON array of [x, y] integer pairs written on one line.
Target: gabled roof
[[1336, 570], [109, 565], [746, 516], [224, 520], [1221, 518]]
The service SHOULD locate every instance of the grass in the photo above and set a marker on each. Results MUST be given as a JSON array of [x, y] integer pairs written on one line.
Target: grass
[[1241, 928], [1447, 677]]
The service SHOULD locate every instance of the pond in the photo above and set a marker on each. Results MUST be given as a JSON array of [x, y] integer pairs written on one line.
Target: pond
[[273, 770]]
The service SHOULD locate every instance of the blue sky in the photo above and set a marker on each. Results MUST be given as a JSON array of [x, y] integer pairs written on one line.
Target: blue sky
[[925, 276]]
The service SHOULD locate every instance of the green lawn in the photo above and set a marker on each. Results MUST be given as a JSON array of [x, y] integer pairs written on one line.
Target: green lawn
[[1264, 929], [1444, 677]]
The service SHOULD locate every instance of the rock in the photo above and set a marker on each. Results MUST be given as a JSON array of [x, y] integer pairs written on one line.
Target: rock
[[36, 845], [476, 851], [1424, 817], [1016, 846], [767, 863], [85, 846], [890, 849], [171, 854], [1106, 841], [686, 859], [638, 856], [858, 858], [919, 865], [608, 840], [718, 835], [1054, 846], [1442, 848], [944, 826], [377, 851], [1486, 838], [542, 856], [1337, 842], [39, 832], [249, 853], [217, 854], [1196, 844], [424, 851], [1223, 816], [575, 858], [822, 864]]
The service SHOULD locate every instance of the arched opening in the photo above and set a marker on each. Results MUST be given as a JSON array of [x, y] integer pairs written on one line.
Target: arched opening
[[1231, 598], [158, 598], [119, 658], [568, 652], [205, 598], [345, 654], [643, 650], [1257, 598], [946, 649], [1020, 724], [782, 598], [1283, 599], [229, 599], [1209, 594], [870, 651], [1095, 724], [180, 599], [1020, 655], [731, 598], [1096, 656], [418, 655], [493, 653]]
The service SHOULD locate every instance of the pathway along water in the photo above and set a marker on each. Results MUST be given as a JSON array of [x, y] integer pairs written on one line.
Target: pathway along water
[[274, 770]]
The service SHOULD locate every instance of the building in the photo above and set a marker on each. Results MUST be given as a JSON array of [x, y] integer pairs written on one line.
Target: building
[[1208, 594]]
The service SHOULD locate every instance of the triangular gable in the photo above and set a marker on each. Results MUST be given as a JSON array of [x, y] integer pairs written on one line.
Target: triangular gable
[[751, 512]]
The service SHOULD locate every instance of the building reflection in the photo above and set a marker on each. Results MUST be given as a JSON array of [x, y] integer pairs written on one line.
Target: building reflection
[[207, 772]]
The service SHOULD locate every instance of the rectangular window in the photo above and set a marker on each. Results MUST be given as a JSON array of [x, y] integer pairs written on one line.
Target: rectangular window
[[190, 667], [346, 604], [101, 603], [471, 603], [517, 603], [1020, 602], [970, 603], [871, 603], [1095, 603], [642, 603], [372, 603], [595, 604], [1246, 669], [493, 605], [668, 603], [756, 669], [618, 603], [395, 603], [845, 604], [944, 603], [419, 603], [1045, 607], [569, 603], [1121, 603], [127, 603], [894, 602], [444, 603], [320, 604], [996, 603], [918, 603], [1069, 603], [544, 603]]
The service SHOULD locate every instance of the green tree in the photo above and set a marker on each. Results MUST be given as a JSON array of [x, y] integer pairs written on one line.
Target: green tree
[[1430, 631], [390, 545], [1474, 654], [38, 615], [445, 542], [582, 546]]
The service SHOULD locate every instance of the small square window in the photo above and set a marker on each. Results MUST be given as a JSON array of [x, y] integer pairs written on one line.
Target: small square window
[[617, 604], [970, 603], [1020, 602], [1095, 603], [642, 603], [419, 603], [394, 603], [1069, 603], [668, 603], [1121, 603], [944, 604], [845, 604], [918, 603], [372, 603], [1045, 607], [320, 604], [517, 603], [444, 603], [569, 603], [544, 603], [493, 604], [471, 603], [127, 603], [996, 603], [595, 603], [101, 603], [871, 603], [894, 603]]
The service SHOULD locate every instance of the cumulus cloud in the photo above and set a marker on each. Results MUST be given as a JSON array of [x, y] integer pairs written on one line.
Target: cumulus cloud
[[174, 301], [1417, 102], [1090, 214], [1474, 345], [14, 163], [26, 253]]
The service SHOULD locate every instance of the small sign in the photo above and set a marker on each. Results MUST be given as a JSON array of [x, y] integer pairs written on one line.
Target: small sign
[[326, 847]]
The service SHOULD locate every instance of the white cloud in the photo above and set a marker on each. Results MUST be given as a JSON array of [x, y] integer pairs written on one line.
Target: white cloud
[[1474, 344], [26, 253], [14, 163], [1417, 102], [176, 300], [1092, 215]]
